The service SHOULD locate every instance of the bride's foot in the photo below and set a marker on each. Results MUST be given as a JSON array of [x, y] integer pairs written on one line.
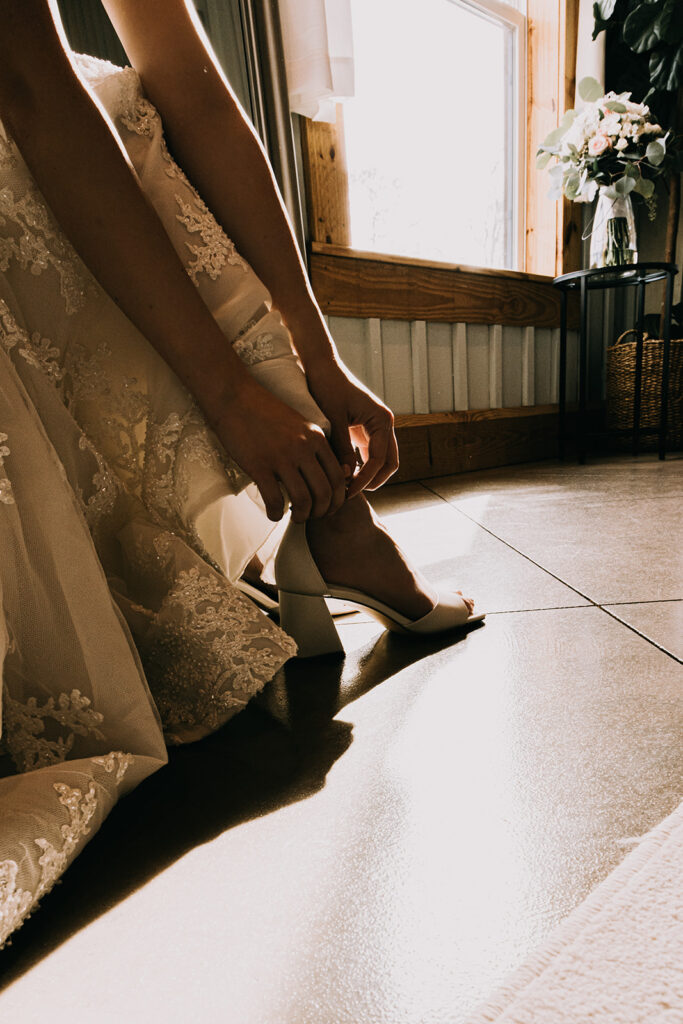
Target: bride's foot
[[352, 549]]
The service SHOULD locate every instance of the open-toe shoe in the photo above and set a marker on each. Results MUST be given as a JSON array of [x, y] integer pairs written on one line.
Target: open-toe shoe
[[305, 616]]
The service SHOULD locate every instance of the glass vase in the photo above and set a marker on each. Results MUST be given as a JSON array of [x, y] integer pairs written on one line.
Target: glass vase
[[613, 238]]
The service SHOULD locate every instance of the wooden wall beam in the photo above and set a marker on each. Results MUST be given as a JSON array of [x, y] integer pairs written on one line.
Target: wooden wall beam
[[326, 180], [568, 256], [363, 285], [553, 235], [446, 443]]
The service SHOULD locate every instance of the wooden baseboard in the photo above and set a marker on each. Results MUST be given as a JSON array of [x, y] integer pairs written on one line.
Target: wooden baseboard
[[460, 442]]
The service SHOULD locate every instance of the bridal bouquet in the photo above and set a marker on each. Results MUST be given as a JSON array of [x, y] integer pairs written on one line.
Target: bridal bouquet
[[611, 145]]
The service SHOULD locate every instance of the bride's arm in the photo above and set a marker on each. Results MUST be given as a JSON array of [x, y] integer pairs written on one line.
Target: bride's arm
[[86, 178], [215, 144]]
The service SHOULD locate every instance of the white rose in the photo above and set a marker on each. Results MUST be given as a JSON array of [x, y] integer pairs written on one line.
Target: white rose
[[610, 125], [621, 144]]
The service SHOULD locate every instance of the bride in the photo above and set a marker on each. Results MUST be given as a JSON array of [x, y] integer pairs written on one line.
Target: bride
[[155, 425]]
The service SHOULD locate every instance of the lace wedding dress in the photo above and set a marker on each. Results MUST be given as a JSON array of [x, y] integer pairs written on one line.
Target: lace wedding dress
[[122, 520]]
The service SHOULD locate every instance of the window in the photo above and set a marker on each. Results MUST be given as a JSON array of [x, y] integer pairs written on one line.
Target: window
[[433, 136]]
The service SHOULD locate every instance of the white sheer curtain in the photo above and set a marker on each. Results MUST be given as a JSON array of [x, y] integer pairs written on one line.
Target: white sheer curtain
[[318, 47], [590, 55]]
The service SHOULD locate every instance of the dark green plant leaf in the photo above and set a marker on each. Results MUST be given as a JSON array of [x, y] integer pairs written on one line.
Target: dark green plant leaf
[[675, 29], [605, 8], [666, 68], [603, 11], [640, 28]]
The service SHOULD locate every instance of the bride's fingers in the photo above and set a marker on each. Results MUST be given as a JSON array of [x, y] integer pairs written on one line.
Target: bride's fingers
[[271, 492], [335, 475], [390, 465], [299, 493], [365, 476], [319, 486], [381, 464]]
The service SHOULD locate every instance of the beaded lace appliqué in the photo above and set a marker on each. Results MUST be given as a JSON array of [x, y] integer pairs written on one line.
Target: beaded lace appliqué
[[255, 349], [40, 245], [6, 496], [207, 651], [24, 726], [216, 249], [15, 902]]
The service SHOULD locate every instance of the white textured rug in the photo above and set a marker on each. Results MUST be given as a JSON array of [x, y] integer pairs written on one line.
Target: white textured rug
[[618, 958]]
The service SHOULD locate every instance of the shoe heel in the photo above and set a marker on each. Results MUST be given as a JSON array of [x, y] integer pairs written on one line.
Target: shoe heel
[[309, 623]]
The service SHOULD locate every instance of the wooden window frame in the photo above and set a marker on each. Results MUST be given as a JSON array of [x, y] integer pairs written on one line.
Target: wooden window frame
[[552, 232]]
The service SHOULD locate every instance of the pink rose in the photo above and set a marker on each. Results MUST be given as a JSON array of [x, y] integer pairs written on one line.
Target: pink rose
[[598, 144]]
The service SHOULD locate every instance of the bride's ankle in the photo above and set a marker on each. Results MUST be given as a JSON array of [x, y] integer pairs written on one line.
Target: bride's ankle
[[354, 517]]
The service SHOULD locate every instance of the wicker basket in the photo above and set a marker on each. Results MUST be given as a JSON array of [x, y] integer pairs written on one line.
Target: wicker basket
[[621, 387]]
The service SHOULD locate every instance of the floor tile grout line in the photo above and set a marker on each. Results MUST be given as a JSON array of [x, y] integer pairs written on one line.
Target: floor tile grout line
[[656, 600], [549, 608], [674, 657], [594, 604], [513, 548]]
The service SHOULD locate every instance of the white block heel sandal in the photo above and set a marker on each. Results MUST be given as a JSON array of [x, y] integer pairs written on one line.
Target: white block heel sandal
[[305, 616]]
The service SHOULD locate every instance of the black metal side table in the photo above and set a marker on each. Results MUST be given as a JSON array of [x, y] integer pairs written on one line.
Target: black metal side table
[[636, 275]]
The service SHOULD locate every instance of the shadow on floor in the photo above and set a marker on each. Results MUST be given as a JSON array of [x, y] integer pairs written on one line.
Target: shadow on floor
[[274, 753]]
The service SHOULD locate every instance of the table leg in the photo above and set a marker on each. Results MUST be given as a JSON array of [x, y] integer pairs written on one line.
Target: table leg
[[583, 350], [562, 398], [665, 364], [640, 316]]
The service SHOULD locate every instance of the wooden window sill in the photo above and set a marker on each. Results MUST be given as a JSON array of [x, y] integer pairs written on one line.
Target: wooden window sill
[[351, 283]]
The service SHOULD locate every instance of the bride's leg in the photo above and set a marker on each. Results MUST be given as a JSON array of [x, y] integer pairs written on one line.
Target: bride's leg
[[353, 549]]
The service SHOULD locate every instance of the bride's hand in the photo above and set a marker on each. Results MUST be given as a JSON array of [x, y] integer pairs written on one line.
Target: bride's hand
[[279, 449], [358, 419]]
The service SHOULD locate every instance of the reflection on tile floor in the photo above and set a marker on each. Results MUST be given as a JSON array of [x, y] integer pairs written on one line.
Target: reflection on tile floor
[[381, 838]]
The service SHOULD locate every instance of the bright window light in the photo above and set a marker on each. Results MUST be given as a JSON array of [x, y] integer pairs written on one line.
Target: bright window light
[[431, 134]]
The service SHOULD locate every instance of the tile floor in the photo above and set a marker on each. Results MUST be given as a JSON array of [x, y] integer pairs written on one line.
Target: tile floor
[[381, 839]]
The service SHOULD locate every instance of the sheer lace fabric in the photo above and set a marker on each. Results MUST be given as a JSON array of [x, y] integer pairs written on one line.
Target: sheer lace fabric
[[122, 520]]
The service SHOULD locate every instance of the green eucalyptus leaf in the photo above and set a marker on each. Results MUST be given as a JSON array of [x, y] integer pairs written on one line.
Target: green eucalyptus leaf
[[645, 188], [624, 185], [632, 171], [611, 192], [590, 90], [542, 160], [572, 184], [552, 138], [655, 153], [616, 106]]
